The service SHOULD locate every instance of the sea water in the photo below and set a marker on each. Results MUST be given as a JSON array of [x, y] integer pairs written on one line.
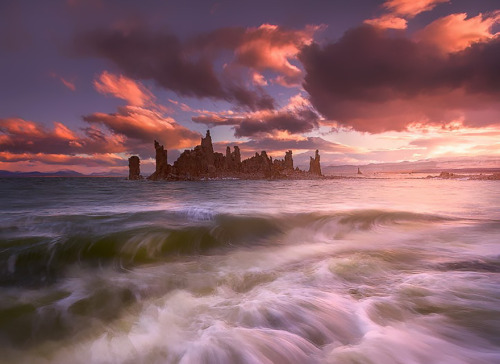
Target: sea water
[[98, 270]]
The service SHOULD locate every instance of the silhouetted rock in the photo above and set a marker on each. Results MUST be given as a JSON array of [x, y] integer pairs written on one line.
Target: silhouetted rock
[[259, 164], [219, 161], [202, 162], [199, 161], [162, 168], [359, 171], [233, 159], [191, 164], [134, 169], [288, 160], [207, 150], [314, 165], [284, 165]]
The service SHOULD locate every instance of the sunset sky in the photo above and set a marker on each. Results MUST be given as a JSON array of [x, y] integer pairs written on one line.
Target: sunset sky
[[84, 84]]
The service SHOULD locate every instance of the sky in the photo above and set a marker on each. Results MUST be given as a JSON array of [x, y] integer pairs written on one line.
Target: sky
[[85, 84]]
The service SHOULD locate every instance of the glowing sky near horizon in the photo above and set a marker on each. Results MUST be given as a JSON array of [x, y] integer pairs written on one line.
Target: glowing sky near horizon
[[86, 84]]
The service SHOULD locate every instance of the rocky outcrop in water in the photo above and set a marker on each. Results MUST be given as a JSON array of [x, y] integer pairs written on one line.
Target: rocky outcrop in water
[[202, 162], [134, 169], [314, 166], [163, 169]]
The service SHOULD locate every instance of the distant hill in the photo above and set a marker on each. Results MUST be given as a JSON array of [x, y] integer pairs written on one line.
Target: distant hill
[[64, 173]]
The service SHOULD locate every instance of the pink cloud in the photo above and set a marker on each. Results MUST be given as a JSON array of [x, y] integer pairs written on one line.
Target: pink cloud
[[63, 132], [24, 136], [21, 126], [456, 32], [144, 126], [388, 21], [124, 88], [258, 79], [270, 47], [400, 10], [411, 8]]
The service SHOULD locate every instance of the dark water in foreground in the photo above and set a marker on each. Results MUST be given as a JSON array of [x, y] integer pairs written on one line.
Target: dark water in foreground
[[341, 271]]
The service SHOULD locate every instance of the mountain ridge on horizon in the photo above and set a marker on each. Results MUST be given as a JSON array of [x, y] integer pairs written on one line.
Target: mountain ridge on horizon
[[61, 173]]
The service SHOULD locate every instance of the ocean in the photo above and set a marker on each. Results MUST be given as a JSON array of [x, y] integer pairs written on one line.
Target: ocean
[[105, 270]]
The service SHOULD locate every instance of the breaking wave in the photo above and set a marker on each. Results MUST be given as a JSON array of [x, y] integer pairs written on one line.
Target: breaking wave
[[125, 240]]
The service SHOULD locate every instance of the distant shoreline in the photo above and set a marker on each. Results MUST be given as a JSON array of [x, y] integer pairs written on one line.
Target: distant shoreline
[[371, 176]]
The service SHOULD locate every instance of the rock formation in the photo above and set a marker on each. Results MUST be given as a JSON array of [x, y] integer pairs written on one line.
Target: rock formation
[[314, 166], [258, 164], [207, 150], [232, 160], [134, 169], [162, 167], [202, 162], [288, 160]]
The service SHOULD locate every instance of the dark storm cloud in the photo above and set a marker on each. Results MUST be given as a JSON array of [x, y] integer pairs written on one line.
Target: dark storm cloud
[[162, 57], [375, 81], [266, 122], [293, 122], [157, 56]]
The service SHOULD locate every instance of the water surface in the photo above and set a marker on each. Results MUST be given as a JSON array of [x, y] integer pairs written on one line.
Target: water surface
[[340, 271]]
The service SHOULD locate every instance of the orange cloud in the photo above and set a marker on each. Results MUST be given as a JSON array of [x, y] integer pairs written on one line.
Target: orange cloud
[[20, 136], [270, 47], [411, 8], [144, 125], [400, 10], [20, 126], [456, 32], [123, 88], [258, 79], [388, 21], [63, 132]]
